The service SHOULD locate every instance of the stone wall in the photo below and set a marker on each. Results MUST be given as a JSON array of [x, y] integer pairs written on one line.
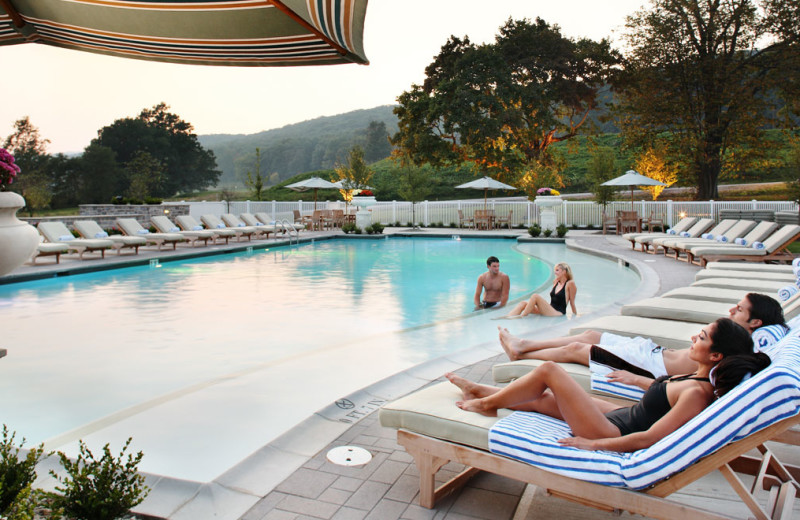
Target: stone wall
[[106, 214]]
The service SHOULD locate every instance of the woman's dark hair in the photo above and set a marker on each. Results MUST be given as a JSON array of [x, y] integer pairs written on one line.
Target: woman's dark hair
[[729, 338], [732, 370], [766, 309]]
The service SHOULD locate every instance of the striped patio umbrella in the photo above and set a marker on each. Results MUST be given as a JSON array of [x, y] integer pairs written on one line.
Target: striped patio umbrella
[[198, 32]]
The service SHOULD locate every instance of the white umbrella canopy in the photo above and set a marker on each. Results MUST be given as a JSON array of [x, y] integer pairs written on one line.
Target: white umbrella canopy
[[633, 178], [486, 184], [312, 183]]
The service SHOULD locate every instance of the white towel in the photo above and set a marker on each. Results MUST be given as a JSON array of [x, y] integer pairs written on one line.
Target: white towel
[[101, 234], [143, 232], [240, 225], [740, 241], [220, 226], [722, 238], [685, 234], [784, 293], [672, 232], [197, 228], [707, 236], [174, 229], [259, 223], [64, 238], [796, 267], [758, 245]]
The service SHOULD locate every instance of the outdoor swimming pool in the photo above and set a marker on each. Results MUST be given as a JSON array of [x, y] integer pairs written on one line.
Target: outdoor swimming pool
[[204, 362]]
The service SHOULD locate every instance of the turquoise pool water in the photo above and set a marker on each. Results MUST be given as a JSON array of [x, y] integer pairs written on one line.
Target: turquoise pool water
[[220, 355]]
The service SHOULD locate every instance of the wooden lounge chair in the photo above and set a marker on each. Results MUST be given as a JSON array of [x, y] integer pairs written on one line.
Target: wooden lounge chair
[[302, 220], [188, 223], [234, 222], [698, 311], [163, 224], [91, 229], [754, 275], [57, 233], [666, 242], [679, 247], [267, 220], [500, 221], [524, 446], [49, 249], [758, 234], [688, 227], [750, 267], [214, 222], [609, 221], [775, 249], [131, 227]]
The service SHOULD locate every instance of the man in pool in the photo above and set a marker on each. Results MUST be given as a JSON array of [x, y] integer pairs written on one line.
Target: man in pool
[[494, 285], [643, 360]]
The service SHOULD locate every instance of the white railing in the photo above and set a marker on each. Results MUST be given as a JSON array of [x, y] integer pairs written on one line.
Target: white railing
[[523, 213]]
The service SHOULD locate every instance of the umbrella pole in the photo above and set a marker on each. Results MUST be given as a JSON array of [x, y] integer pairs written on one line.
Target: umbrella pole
[[315, 199], [485, 192]]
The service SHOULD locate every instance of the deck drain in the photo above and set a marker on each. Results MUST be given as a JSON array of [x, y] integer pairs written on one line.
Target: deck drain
[[349, 456]]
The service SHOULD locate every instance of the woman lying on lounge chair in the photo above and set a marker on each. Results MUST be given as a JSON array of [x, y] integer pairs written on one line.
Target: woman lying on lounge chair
[[599, 425], [562, 293]]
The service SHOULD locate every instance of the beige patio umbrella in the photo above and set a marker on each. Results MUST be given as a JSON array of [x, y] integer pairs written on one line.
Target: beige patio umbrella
[[312, 183], [222, 32], [485, 184], [633, 178]]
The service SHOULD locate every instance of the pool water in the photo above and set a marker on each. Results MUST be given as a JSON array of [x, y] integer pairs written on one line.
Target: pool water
[[203, 362]]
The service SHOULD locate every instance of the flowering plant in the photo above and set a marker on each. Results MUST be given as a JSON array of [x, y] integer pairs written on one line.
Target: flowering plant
[[547, 191], [8, 170], [365, 193]]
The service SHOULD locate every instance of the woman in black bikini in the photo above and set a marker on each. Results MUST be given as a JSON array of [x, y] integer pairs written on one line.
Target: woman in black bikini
[[563, 292], [599, 425]]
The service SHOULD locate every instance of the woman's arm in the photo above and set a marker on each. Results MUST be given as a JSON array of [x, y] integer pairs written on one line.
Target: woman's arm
[[626, 378], [691, 402], [572, 290]]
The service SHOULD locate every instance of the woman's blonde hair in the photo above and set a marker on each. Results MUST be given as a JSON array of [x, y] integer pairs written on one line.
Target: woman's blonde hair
[[566, 268]]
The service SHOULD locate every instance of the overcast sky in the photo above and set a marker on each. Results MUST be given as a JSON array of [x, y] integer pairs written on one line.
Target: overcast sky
[[69, 95]]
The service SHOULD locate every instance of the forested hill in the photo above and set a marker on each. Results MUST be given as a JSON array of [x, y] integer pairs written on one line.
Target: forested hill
[[317, 144]]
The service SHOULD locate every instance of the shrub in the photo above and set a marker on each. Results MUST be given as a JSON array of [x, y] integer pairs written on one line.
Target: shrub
[[100, 489], [589, 226], [348, 228], [397, 224], [409, 224], [16, 475], [548, 232], [376, 228], [535, 230], [453, 224], [357, 231], [561, 230]]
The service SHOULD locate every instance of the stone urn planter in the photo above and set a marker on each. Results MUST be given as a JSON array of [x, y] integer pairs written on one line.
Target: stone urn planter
[[547, 215], [18, 239], [363, 216]]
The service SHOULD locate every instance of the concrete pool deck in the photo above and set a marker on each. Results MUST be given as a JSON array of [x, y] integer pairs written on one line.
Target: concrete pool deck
[[291, 478]]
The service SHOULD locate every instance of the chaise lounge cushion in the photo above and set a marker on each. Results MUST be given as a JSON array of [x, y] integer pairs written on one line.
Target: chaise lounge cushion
[[667, 333]]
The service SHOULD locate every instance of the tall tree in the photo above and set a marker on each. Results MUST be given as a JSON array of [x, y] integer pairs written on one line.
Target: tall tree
[[254, 179], [145, 174], [415, 185], [602, 167], [502, 105], [29, 149], [102, 176], [653, 163], [376, 146], [703, 74]]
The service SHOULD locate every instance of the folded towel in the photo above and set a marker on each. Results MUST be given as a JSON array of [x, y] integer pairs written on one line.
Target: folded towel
[[796, 267], [740, 241], [64, 238], [722, 238], [239, 225], [707, 236], [101, 234], [784, 293], [685, 234], [174, 229], [672, 232], [797, 283], [220, 226], [143, 232], [197, 228], [259, 223], [758, 245]]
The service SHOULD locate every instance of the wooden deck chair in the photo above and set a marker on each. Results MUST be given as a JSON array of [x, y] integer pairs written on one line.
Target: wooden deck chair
[[163, 224], [689, 227], [609, 221], [49, 249], [683, 247], [131, 227], [773, 249], [758, 234], [524, 446], [214, 222], [500, 221], [92, 230], [58, 233], [465, 222], [234, 222], [667, 242], [189, 223]]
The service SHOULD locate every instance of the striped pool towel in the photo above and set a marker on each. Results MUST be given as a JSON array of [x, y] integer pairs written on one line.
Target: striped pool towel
[[784, 293], [796, 267], [764, 399]]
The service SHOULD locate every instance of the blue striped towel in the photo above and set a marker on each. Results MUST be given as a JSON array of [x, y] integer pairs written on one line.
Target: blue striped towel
[[707, 236], [766, 398], [101, 234], [672, 232], [740, 241], [685, 234], [722, 238], [784, 293], [796, 267], [758, 245]]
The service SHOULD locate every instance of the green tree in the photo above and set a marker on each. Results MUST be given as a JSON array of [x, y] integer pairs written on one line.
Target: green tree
[[653, 163], [145, 174], [377, 145], [356, 174], [29, 149], [102, 177], [254, 179], [415, 185], [602, 167], [502, 105], [705, 74], [170, 140]]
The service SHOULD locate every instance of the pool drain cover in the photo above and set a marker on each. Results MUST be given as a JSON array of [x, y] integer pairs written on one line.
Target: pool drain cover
[[349, 456]]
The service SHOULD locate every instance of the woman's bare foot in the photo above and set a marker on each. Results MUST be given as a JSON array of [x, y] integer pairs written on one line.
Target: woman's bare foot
[[510, 343], [470, 390], [477, 406]]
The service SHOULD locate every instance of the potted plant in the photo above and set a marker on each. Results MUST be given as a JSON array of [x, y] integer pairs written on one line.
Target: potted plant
[[18, 239]]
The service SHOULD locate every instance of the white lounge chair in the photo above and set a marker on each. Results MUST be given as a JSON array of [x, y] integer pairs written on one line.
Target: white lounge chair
[[269, 221], [738, 230], [163, 224], [57, 232], [49, 249], [214, 222], [131, 227], [691, 226], [232, 221], [666, 242], [91, 229], [774, 249], [188, 223]]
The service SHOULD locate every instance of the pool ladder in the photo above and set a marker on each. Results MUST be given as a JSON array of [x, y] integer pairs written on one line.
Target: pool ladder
[[288, 227]]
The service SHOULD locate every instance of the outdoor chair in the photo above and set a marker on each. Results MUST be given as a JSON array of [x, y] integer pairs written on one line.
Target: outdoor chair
[[91, 230], [189, 223], [689, 227], [629, 222], [213, 222], [774, 248], [609, 222], [234, 222], [500, 221], [465, 222], [131, 227], [653, 221], [164, 225], [58, 233]]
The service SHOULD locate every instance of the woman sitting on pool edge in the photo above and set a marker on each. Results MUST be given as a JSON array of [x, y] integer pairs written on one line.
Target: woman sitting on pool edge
[[596, 424], [563, 292]]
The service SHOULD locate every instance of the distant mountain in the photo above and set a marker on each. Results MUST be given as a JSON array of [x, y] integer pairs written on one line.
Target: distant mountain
[[317, 144]]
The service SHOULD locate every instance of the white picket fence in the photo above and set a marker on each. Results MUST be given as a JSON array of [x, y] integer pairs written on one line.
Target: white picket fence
[[523, 213]]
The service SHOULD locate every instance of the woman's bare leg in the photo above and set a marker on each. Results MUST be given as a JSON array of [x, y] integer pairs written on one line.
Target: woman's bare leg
[[550, 390], [516, 310], [538, 305], [516, 347]]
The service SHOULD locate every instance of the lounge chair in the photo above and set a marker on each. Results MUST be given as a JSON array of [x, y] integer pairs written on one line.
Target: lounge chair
[[738, 230], [750, 267], [253, 221], [705, 274], [775, 249], [465, 222], [524, 446], [684, 225], [131, 227], [302, 220], [269, 221], [698, 311], [49, 249], [232, 221], [718, 229], [163, 224], [57, 232], [765, 286], [91, 229], [188, 223], [500, 221], [758, 234], [214, 222], [711, 294]]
